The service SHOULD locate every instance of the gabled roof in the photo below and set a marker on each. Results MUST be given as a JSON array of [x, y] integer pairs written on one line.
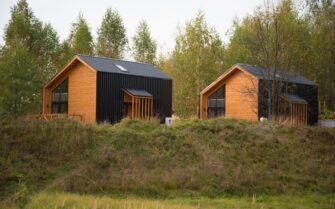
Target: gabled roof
[[259, 73], [262, 73], [138, 92], [103, 64]]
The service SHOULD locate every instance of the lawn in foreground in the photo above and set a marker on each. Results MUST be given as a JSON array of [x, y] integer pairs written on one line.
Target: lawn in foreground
[[71, 201]]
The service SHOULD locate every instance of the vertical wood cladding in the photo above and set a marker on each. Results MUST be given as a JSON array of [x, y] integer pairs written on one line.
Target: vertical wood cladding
[[110, 95], [241, 96], [310, 94], [81, 92], [241, 100], [306, 92]]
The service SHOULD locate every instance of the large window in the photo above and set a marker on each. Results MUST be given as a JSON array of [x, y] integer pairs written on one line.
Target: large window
[[60, 98], [217, 103]]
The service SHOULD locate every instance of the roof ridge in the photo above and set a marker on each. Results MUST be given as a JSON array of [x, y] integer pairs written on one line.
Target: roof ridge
[[296, 76], [248, 65], [102, 57]]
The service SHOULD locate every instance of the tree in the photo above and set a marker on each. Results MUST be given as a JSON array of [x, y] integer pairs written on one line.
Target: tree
[[27, 60], [198, 60], [47, 51], [40, 39], [275, 38], [112, 38], [20, 92], [81, 40], [144, 49], [322, 63], [64, 54]]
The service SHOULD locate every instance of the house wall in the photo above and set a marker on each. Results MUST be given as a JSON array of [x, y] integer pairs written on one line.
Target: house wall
[[110, 95], [82, 92], [307, 92], [242, 96]]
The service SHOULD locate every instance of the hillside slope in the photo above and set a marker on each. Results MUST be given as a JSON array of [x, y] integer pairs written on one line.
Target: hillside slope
[[191, 158]]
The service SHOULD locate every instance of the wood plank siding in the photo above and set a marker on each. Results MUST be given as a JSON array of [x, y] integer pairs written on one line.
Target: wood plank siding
[[241, 96], [81, 91], [294, 112], [139, 107]]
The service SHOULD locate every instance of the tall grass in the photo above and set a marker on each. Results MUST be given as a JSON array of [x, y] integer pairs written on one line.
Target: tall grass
[[211, 158], [191, 158], [33, 153]]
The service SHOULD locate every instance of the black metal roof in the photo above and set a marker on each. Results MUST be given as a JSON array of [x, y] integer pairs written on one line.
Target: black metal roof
[[104, 64], [293, 98], [139, 92], [261, 73]]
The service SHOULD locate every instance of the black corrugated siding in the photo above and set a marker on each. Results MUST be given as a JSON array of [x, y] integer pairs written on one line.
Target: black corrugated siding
[[307, 92], [110, 101]]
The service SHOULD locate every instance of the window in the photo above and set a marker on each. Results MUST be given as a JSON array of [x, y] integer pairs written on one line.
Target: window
[[60, 98], [121, 68], [217, 103]]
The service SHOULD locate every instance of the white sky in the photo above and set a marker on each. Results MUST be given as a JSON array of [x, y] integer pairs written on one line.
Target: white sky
[[163, 16]]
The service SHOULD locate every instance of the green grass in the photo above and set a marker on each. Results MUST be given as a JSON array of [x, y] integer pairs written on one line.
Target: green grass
[[191, 159], [208, 158], [70, 201]]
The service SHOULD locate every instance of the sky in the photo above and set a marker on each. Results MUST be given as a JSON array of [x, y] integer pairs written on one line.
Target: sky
[[162, 16]]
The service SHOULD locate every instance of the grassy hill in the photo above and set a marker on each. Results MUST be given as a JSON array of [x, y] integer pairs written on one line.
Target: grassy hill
[[191, 159]]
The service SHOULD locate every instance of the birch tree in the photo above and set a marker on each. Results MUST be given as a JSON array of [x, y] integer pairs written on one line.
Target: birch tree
[[144, 47], [112, 37], [198, 60]]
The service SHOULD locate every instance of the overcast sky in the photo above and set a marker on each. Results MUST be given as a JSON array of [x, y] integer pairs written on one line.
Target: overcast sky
[[163, 16]]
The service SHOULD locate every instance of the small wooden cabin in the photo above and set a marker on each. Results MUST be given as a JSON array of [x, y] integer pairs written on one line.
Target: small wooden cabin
[[102, 89], [241, 93]]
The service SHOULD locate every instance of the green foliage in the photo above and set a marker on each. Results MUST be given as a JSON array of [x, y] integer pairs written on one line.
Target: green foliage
[[112, 38], [41, 40], [284, 37], [323, 42], [198, 59], [327, 114], [81, 40], [19, 81], [274, 38], [27, 60], [64, 55], [23, 25], [144, 49]]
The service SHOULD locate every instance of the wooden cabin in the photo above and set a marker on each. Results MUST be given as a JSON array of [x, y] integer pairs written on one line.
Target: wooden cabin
[[101, 89], [241, 93]]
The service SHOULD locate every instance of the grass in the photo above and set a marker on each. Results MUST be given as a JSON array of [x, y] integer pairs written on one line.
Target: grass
[[208, 158], [70, 201], [191, 159], [33, 153]]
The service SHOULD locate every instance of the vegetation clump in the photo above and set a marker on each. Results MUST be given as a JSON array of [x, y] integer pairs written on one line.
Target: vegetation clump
[[191, 158]]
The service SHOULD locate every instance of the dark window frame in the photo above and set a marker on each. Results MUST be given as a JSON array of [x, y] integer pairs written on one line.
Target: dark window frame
[[60, 103], [217, 109]]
